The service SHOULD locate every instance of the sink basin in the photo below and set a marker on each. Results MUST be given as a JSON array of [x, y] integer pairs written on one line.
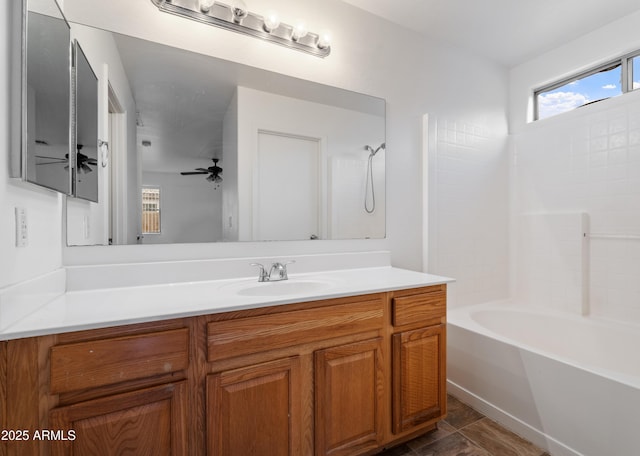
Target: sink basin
[[281, 288]]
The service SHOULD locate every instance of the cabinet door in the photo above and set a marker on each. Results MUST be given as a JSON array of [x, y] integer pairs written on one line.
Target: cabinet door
[[419, 376], [148, 421], [255, 410], [349, 398]]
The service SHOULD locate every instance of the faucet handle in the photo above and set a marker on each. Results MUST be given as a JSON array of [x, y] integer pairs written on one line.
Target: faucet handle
[[280, 269], [262, 276], [284, 268]]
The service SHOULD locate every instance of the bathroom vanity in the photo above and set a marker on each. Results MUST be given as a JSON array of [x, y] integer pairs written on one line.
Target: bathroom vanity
[[344, 375]]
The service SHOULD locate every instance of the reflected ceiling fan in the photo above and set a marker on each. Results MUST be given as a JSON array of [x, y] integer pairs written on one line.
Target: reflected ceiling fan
[[214, 172], [82, 160]]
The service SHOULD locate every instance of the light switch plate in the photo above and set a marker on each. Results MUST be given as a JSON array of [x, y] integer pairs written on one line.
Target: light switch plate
[[22, 231]]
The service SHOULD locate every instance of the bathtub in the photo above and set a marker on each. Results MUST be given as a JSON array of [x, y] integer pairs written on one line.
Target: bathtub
[[570, 384]]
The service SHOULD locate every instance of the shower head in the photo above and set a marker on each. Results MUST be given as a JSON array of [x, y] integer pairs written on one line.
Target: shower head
[[373, 151]]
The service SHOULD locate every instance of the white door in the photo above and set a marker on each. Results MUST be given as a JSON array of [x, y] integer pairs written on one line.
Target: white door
[[286, 187]]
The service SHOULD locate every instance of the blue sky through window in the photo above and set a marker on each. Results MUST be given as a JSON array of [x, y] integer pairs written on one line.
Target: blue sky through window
[[636, 72], [579, 92]]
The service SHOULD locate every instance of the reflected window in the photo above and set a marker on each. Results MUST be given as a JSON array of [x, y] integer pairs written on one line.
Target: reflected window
[[634, 63], [596, 85], [150, 210]]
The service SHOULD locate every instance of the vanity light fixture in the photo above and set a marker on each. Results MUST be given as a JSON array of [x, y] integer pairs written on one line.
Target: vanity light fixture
[[239, 10], [324, 40], [271, 21], [299, 31], [205, 5], [234, 16]]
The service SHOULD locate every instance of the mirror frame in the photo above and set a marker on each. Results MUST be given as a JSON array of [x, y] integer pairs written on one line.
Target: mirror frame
[[18, 60], [77, 121]]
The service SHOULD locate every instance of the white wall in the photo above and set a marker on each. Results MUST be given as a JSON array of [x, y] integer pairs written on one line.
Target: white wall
[[190, 208], [43, 208], [586, 160], [344, 159], [369, 55]]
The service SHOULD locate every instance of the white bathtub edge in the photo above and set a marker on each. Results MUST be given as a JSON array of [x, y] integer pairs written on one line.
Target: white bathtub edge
[[510, 422]]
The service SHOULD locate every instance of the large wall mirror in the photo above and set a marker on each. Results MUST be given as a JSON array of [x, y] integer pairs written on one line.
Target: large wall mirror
[[40, 148], [220, 151]]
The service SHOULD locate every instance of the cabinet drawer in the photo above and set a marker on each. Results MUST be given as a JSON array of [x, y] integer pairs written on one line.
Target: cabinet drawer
[[104, 362], [244, 336], [425, 308]]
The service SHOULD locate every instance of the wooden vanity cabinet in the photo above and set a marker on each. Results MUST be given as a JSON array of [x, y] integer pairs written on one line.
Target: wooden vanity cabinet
[[112, 391], [418, 358], [349, 398], [122, 394], [301, 380], [146, 421], [337, 377], [255, 409]]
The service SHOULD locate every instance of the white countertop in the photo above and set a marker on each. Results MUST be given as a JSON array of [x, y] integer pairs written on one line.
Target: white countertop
[[99, 308]]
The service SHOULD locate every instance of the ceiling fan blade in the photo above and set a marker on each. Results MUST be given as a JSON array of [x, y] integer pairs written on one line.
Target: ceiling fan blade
[[92, 161], [51, 163], [51, 158], [202, 169], [189, 173]]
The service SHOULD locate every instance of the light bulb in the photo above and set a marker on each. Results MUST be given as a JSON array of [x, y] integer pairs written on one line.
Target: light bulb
[[299, 31], [324, 40], [271, 21], [205, 5], [239, 10]]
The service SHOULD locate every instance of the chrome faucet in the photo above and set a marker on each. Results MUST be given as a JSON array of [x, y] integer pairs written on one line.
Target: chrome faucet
[[277, 272]]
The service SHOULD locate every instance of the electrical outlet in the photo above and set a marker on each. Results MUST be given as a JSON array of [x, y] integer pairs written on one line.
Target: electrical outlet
[[22, 229]]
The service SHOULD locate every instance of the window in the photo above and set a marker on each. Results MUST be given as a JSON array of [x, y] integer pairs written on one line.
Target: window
[[150, 210], [635, 72], [599, 83]]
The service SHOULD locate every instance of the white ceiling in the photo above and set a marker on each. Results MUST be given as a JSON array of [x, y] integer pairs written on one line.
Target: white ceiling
[[507, 31], [182, 98]]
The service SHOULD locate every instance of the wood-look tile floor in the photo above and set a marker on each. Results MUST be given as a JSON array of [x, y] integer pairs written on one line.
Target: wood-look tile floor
[[466, 432]]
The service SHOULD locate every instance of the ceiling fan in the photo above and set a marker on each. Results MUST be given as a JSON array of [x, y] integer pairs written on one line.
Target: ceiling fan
[[214, 172], [82, 160]]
